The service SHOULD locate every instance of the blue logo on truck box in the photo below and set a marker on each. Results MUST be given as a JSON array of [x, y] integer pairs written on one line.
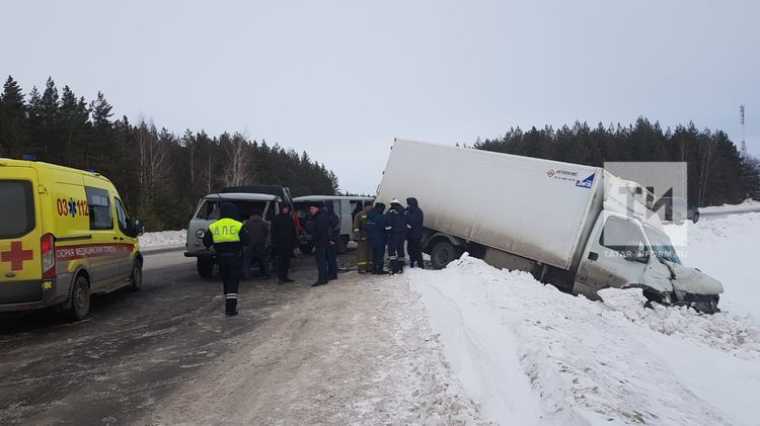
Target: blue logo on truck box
[[586, 183]]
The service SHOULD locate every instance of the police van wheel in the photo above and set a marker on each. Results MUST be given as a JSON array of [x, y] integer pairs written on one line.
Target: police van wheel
[[136, 278], [205, 267], [80, 299]]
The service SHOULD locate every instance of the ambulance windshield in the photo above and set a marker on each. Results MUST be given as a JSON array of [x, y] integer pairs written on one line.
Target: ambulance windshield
[[16, 209]]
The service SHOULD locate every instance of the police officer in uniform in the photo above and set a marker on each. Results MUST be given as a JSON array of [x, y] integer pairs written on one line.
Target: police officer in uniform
[[228, 237], [363, 261]]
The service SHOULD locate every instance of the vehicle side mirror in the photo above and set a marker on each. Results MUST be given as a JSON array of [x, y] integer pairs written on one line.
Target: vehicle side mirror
[[136, 227]]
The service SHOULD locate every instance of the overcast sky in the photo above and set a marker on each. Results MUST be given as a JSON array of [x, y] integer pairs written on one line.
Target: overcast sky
[[341, 79]]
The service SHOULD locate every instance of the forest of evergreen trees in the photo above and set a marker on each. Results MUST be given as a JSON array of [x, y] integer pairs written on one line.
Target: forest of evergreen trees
[[717, 172], [160, 175]]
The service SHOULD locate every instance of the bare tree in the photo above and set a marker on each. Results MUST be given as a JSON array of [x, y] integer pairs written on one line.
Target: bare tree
[[236, 151], [152, 162]]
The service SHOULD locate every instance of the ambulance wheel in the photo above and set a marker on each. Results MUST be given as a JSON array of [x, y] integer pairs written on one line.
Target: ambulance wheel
[[79, 305], [136, 278], [442, 253], [205, 267]]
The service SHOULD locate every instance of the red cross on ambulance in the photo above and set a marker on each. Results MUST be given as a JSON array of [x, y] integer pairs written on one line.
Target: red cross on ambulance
[[16, 256]]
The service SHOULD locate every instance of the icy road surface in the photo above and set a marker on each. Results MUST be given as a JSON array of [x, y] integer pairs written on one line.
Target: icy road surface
[[350, 352]]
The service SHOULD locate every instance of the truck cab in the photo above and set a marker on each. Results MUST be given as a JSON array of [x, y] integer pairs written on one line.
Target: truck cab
[[624, 252]]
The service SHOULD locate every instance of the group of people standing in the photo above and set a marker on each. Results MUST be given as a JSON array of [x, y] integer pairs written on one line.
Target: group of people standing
[[239, 246], [377, 229]]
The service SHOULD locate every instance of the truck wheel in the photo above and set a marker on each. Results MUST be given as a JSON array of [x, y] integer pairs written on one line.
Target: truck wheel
[[79, 305], [205, 267], [136, 278], [442, 253]]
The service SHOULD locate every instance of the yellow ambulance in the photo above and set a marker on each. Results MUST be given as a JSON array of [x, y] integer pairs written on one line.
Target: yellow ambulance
[[64, 236]]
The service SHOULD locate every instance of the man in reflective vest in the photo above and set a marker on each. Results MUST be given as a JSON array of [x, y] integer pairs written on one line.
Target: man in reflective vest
[[228, 236]]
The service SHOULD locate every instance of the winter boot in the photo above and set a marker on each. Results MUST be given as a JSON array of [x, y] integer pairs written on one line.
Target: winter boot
[[231, 307]]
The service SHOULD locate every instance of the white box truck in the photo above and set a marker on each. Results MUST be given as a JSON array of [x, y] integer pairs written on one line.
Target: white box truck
[[545, 217]]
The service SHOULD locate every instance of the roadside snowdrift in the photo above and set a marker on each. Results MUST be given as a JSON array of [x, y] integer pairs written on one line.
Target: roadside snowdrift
[[163, 239], [726, 247], [529, 354]]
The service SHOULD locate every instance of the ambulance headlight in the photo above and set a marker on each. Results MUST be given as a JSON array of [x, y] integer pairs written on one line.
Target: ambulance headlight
[[200, 234]]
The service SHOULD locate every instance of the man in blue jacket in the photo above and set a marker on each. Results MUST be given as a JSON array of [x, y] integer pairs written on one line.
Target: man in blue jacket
[[376, 237], [395, 225], [414, 219]]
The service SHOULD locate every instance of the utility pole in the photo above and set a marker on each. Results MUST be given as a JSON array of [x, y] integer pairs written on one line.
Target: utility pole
[[741, 121]]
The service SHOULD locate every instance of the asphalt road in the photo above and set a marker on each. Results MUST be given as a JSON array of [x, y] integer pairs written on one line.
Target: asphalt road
[[133, 350]]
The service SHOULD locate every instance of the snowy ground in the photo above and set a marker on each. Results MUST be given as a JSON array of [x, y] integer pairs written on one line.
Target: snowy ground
[[163, 239], [473, 344], [532, 355], [356, 351], [726, 247], [529, 354], [746, 206]]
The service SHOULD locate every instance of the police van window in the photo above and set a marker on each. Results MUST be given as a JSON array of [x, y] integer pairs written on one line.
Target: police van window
[[16, 209], [100, 208], [208, 211], [622, 236], [121, 216]]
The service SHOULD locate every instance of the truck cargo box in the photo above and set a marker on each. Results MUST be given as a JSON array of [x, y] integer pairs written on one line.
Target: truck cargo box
[[538, 209]]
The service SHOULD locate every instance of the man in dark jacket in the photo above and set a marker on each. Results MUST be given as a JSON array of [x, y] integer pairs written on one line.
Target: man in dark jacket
[[228, 236], [332, 249], [363, 251], [283, 241], [377, 237], [395, 225], [258, 230], [319, 228], [414, 219]]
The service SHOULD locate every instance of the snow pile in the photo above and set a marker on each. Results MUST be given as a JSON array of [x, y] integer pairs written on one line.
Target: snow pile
[[163, 239], [725, 247], [748, 205], [532, 355]]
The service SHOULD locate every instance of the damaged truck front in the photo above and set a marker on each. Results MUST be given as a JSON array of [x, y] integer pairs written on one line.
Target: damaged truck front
[[570, 225]]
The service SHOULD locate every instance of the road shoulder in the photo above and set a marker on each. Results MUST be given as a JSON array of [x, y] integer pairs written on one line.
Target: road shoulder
[[359, 350]]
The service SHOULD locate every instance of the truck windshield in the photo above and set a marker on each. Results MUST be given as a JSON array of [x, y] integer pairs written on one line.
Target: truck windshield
[[17, 208], [661, 245]]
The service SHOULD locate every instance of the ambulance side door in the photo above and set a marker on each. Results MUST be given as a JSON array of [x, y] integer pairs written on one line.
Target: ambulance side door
[[127, 241], [104, 238]]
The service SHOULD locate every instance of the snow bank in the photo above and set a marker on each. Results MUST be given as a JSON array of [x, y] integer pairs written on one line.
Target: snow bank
[[529, 354], [163, 239], [726, 247], [747, 206]]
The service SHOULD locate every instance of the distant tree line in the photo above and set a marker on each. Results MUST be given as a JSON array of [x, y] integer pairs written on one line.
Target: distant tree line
[[717, 172], [160, 175]]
